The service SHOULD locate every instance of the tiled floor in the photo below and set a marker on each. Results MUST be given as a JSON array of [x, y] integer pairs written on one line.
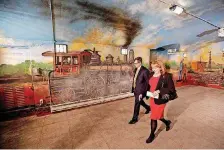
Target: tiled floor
[[197, 116]]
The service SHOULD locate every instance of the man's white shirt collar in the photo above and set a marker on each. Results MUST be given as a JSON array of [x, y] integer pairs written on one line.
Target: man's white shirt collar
[[139, 68]]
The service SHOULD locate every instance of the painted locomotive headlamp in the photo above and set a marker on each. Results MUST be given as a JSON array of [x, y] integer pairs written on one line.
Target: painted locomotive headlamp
[[124, 51]]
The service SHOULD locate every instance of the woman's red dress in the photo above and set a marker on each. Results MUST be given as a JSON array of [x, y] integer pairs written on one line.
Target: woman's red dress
[[157, 111]]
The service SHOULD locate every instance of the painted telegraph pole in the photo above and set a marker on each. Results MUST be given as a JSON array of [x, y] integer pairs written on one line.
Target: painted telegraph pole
[[53, 30]]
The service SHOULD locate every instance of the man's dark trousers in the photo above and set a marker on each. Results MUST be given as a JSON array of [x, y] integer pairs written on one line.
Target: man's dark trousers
[[137, 106]]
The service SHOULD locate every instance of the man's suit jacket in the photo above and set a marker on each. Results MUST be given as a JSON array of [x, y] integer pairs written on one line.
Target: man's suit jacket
[[165, 85], [142, 81]]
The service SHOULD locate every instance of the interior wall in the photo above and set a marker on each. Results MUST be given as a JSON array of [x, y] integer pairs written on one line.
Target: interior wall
[[26, 32]]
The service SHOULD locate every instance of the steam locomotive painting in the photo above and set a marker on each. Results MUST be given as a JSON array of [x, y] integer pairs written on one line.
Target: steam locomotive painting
[[76, 76]]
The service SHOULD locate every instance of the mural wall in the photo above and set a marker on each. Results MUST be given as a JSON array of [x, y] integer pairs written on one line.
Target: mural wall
[[203, 66], [103, 28]]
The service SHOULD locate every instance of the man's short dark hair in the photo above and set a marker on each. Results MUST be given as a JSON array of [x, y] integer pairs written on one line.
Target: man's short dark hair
[[139, 59]]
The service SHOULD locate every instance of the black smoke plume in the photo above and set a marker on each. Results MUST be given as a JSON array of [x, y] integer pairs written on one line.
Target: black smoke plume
[[77, 10], [112, 17]]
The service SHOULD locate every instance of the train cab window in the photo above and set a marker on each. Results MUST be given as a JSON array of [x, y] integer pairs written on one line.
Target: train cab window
[[66, 60], [75, 60], [58, 60], [86, 59]]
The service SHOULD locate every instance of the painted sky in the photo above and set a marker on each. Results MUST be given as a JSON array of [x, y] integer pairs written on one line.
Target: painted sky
[[140, 24]]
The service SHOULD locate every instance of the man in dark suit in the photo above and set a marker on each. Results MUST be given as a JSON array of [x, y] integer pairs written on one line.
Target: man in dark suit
[[139, 88]]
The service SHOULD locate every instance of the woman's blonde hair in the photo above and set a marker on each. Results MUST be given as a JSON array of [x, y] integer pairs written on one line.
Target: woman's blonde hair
[[159, 64]]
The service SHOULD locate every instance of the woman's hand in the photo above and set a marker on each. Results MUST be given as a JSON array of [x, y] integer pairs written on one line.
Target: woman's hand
[[156, 93]]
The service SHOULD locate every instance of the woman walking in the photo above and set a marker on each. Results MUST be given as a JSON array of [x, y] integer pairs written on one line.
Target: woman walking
[[162, 86]]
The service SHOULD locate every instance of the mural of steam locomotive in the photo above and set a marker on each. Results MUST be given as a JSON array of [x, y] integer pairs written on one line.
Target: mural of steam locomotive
[[81, 77], [99, 79]]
